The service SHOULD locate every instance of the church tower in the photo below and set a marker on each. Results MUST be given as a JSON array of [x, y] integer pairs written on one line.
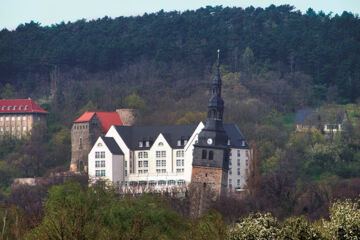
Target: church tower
[[211, 153]]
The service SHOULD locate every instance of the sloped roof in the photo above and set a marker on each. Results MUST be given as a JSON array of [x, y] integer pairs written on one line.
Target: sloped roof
[[302, 115], [112, 145], [20, 106], [132, 135], [106, 118]]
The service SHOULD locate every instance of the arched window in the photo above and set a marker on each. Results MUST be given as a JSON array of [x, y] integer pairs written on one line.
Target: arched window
[[161, 144], [204, 153], [211, 155]]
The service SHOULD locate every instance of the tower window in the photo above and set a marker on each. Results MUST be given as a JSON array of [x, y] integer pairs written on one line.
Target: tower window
[[211, 155], [80, 143], [204, 154]]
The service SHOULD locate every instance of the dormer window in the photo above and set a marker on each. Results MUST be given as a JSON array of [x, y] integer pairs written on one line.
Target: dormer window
[[3, 108], [147, 144], [9, 107], [228, 142], [243, 143], [140, 144], [20, 107], [185, 142], [14, 108], [26, 107], [179, 142]]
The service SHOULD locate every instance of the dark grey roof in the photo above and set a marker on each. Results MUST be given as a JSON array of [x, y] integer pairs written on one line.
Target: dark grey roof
[[132, 135], [302, 114], [112, 145], [236, 137]]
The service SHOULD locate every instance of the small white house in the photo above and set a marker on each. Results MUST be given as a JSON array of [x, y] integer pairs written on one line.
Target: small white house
[[160, 156]]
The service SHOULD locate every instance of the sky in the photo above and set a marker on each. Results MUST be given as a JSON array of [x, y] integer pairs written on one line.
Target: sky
[[47, 12]]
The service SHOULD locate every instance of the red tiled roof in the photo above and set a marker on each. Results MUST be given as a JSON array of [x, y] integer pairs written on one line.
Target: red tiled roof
[[20, 106], [106, 118]]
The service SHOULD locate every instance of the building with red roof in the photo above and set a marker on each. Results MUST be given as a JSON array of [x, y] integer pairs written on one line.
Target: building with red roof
[[88, 127], [18, 116]]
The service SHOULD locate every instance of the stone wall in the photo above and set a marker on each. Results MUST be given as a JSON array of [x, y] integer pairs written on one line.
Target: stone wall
[[128, 116]]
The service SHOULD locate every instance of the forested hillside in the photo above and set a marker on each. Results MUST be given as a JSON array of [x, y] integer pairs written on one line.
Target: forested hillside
[[274, 61]]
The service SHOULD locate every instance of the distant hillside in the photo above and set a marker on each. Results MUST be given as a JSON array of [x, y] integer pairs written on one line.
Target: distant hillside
[[280, 39]]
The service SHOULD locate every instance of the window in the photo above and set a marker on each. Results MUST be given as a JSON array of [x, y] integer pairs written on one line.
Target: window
[[180, 153], [140, 144], [157, 154], [102, 163], [1, 129], [97, 154], [228, 142], [163, 154], [146, 171], [125, 173], [146, 163], [238, 153], [158, 163], [243, 143], [140, 171], [7, 129], [163, 163], [161, 144], [147, 144], [26, 107], [238, 182], [80, 143], [24, 128], [7, 118], [14, 108], [230, 182], [1, 118], [230, 172], [99, 145], [204, 154], [103, 173], [179, 162], [178, 170], [24, 118], [163, 170], [20, 107], [97, 173], [185, 142], [162, 182], [179, 142], [140, 154], [13, 129], [211, 155], [171, 182], [102, 154], [238, 171], [126, 164], [97, 164], [12, 118], [247, 153], [18, 118], [180, 182], [158, 171], [18, 128], [140, 164], [9, 107], [247, 162], [238, 162], [230, 163], [3, 108], [146, 155]]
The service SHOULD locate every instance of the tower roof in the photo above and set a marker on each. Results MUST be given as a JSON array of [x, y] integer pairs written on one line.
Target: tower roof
[[106, 118]]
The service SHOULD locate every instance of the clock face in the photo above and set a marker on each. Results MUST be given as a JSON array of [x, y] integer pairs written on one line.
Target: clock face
[[209, 141]]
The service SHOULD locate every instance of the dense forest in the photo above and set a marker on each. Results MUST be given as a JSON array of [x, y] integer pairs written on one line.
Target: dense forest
[[274, 61]]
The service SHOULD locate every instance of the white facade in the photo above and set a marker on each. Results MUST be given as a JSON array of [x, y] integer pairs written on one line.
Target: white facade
[[103, 164], [161, 165]]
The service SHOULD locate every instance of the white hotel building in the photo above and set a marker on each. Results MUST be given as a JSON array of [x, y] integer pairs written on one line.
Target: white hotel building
[[160, 156]]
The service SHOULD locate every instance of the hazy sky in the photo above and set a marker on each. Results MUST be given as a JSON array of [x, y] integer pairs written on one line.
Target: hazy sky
[[47, 12]]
